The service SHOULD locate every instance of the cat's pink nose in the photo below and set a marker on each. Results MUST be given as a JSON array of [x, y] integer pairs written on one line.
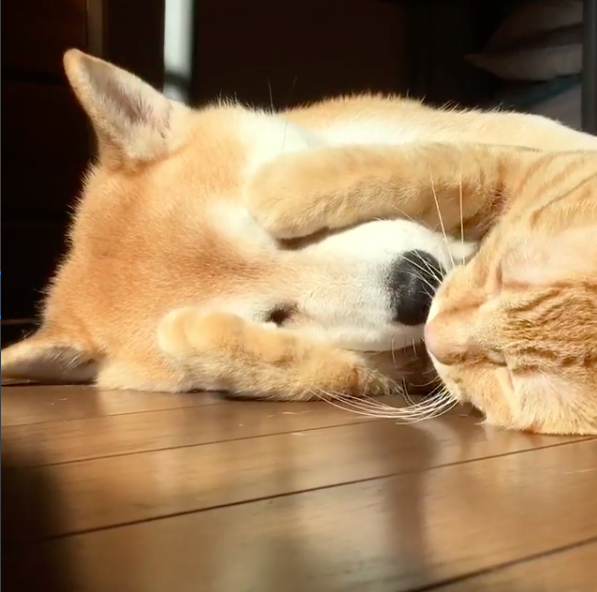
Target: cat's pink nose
[[431, 338], [442, 340]]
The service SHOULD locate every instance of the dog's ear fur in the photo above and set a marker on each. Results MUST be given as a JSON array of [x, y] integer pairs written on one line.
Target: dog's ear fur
[[48, 358], [132, 120]]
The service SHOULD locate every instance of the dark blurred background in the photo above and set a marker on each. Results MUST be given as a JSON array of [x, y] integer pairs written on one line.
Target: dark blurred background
[[263, 52]]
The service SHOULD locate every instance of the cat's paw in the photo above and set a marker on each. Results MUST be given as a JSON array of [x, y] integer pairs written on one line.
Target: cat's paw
[[191, 332], [282, 198]]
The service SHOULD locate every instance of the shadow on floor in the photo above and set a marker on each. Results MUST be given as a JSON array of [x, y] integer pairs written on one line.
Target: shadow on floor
[[29, 509]]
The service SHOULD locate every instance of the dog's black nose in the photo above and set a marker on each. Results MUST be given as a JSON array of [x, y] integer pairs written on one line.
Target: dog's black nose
[[414, 280]]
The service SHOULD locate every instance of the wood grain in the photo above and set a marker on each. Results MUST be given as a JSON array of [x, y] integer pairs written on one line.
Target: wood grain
[[123, 489], [208, 423], [202, 419], [25, 405], [391, 534], [571, 569]]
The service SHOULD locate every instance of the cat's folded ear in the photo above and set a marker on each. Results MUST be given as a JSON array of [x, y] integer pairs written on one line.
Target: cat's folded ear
[[567, 255], [133, 121], [48, 358]]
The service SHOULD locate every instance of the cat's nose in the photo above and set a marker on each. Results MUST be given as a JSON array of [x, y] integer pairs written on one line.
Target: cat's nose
[[448, 340], [433, 339], [414, 279]]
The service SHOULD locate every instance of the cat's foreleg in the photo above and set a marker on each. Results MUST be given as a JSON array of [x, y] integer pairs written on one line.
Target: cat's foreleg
[[441, 185]]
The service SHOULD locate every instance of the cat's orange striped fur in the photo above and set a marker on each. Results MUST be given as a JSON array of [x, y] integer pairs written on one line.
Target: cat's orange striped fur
[[175, 280], [515, 330]]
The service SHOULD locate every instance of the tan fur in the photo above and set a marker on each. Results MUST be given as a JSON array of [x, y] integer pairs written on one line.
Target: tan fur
[[132, 305]]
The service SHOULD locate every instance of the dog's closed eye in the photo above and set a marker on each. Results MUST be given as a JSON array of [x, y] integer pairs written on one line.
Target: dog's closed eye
[[280, 314]]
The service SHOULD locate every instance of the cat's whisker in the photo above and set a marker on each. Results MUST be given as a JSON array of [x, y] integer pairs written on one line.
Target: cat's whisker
[[418, 263], [402, 389], [434, 274], [433, 271], [405, 394], [430, 412], [430, 408], [392, 388], [351, 404], [434, 400], [364, 403], [364, 410], [332, 401], [425, 281], [461, 212], [430, 382], [441, 222], [450, 404], [402, 214]]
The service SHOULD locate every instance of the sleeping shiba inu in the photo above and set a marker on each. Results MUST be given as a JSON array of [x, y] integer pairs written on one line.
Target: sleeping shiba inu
[[184, 271]]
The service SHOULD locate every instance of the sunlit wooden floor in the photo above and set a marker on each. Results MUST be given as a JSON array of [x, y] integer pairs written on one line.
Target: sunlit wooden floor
[[131, 492]]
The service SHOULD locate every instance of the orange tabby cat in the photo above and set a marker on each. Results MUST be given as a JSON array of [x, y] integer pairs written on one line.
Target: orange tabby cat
[[514, 331]]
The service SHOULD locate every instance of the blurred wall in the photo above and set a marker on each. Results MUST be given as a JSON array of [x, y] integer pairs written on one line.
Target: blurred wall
[[301, 51]]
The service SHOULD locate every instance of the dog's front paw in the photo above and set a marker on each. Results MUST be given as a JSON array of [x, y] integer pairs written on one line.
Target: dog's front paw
[[191, 332]]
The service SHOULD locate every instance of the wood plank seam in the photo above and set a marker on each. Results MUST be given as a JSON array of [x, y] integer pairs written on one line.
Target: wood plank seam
[[196, 445], [505, 565], [118, 414], [246, 502]]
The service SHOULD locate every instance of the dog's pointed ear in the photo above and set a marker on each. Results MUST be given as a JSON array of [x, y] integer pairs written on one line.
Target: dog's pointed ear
[[133, 122], [49, 358]]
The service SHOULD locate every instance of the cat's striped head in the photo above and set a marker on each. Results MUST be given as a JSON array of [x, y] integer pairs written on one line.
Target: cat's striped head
[[515, 331]]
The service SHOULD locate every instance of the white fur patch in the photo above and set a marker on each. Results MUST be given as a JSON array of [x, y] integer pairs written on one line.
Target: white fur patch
[[268, 136], [369, 131], [234, 222]]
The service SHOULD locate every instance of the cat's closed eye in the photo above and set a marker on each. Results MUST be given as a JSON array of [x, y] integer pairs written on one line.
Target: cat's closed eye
[[496, 357], [495, 280]]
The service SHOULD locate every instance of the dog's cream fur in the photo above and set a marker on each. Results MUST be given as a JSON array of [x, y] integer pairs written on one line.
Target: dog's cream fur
[[176, 270]]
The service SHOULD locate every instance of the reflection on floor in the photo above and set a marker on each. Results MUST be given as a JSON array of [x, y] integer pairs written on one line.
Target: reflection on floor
[[135, 492]]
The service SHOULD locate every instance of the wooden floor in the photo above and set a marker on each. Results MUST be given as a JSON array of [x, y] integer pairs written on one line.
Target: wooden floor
[[131, 492]]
